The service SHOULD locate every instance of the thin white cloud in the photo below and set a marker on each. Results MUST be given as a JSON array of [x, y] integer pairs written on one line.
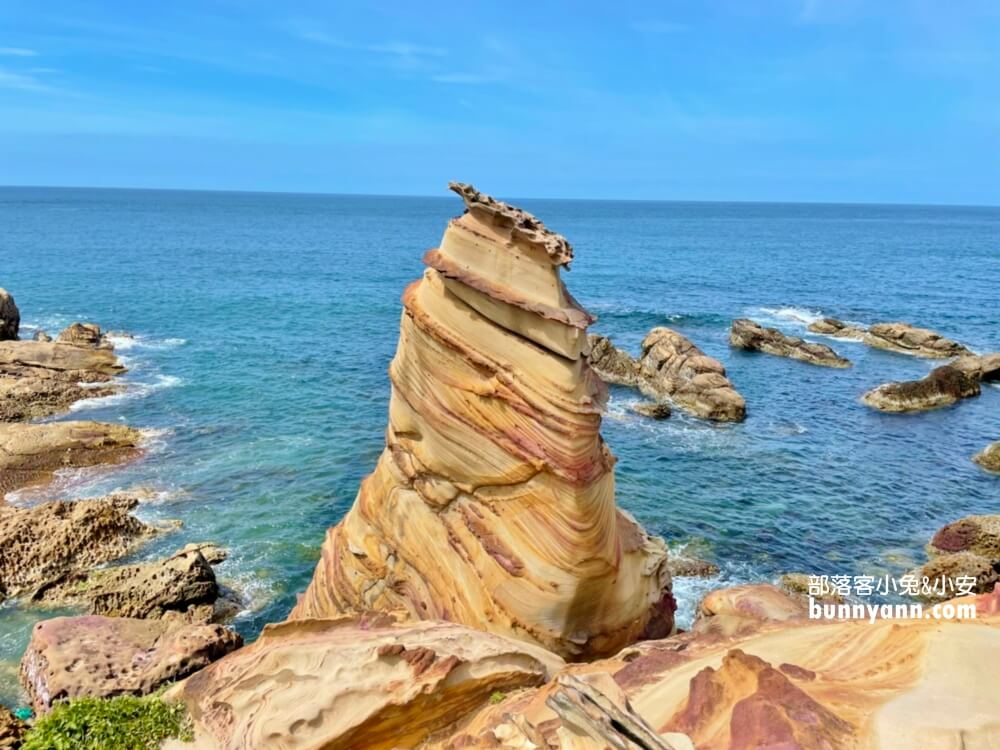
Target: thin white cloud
[[394, 49], [21, 82], [17, 52]]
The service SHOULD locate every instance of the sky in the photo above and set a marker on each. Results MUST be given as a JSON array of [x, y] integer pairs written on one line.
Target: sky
[[783, 100]]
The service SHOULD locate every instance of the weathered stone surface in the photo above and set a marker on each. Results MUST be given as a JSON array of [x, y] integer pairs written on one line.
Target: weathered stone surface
[[353, 683], [907, 339], [10, 316], [182, 585], [741, 608], [944, 386], [31, 453], [691, 567], [746, 334], [52, 541], [12, 729], [84, 334], [493, 502], [53, 355], [797, 584], [836, 328], [41, 336], [978, 534], [674, 369], [982, 367], [652, 409], [100, 657], [946, 573], [612, 364], [989, 457]]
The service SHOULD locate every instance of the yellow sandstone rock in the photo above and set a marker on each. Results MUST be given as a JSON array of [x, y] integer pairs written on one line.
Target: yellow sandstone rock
[[493, 504]]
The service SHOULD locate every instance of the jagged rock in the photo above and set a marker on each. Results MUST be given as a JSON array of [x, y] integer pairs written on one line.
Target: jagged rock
[[943, 574], [989, 457], [982, 367], [673, 368], [739, 609], [31, 453], [12, 729], [493, 502], [83, 334], [60, 357], [52, 541], [944, 386], [612, 364], [797, 584], [907, 339], [10, 317], [746, 334], [652, 409], [836, 328], [182, 585], [691, 567], [41, 336], [100, 657], [348, 683], [977, 534]]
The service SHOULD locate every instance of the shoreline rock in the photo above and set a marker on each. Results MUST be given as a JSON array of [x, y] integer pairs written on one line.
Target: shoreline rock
[[969, 548], [944, 386], [989, 457], [652, 409], [836, 328], [31, 453], [100, 657], [10, 316], [750, 336], [493, 502], [904, 338]]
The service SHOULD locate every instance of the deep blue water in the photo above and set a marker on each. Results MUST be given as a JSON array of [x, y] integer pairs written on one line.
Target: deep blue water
[[266, 322]]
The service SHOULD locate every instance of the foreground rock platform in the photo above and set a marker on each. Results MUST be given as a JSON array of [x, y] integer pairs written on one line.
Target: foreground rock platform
[[101, 657], [751, 336], [493, 504], [31, 453], [351, 683]]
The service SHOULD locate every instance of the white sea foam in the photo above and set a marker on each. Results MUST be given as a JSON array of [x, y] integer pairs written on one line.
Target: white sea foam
[[132, 391], [126, 342], [797, 316], [690, 590]]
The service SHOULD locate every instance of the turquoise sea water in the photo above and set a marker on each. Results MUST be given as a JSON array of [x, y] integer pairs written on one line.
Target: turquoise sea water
[[265, 323]]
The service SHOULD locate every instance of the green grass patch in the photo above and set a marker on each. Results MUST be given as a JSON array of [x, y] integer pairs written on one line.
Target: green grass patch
[[123, 723]]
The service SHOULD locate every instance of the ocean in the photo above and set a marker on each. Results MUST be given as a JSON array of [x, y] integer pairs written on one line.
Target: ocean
[[264, 324]]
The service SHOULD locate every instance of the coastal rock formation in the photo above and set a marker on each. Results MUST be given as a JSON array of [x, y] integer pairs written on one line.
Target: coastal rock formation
[[741, 608], [182, 585], [84, 334], [612, 364], [52, 541], [652, 409], [10, 317], [945, 575], [977, 534], [493, 502], [907, 339], [989, 457], [12, 729], [348, 683], [983, 367], [837, 328], [673, 368], [31, 453], [100, 657], [746, 334], [944, 386]]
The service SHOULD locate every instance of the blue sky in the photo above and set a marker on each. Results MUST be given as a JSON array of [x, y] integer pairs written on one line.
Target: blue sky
[[803, 100]]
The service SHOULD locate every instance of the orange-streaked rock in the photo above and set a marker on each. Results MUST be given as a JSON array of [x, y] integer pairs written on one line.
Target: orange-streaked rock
[[493, 503]]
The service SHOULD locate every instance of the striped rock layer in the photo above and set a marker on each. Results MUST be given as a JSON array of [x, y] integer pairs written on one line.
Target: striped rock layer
[[493, 503]]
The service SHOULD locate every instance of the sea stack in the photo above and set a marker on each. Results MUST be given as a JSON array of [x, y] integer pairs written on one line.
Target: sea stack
[[493, 503]]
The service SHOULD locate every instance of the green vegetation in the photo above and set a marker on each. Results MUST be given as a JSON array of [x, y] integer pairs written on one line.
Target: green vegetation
[[496, 697], [123, 723]]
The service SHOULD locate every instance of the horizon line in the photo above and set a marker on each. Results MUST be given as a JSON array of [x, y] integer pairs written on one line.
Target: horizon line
[[447, 196]]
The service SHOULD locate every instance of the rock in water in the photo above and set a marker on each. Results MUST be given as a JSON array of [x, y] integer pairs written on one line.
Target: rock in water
[[672, 367], [346, 683], [989, 457], [944, 386], [652, 409], [746, 334], [493, 503], [907, 339], [99, 657], [837, 328], [612, 364], [10, 317]]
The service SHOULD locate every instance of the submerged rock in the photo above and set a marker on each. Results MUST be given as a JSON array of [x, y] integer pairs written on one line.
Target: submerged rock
[[944, 386], [907, 339], [493, 503], [746, 334], [53, 541], [100, 657], [836, 328], [989, 457], [31, 453], [349, 683], [673, 368], [10, 317]]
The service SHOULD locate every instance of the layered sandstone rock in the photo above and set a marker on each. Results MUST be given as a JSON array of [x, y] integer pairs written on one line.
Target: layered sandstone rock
[[10, 317], [182, 585], [612, 364], [907, 339], [54, 541], [746, 334], [12, 730], [673, 368], [944, 386], [989, 457], [493, 502], [837, 328], [100, 657], [31, 453], [352, 683]]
